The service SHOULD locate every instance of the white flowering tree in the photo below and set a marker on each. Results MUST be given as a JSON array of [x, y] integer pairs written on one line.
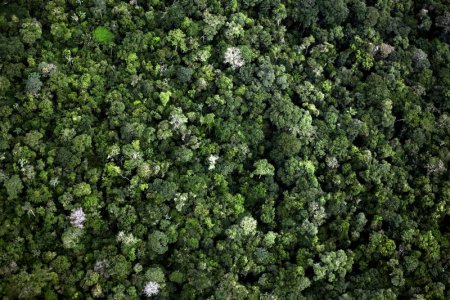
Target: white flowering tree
[[233, 56], [77, 218], [151, 288]]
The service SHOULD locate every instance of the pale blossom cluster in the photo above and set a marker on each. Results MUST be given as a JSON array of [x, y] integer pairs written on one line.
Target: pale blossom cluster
[[436, 166], [177, 119], [77, 218], [101, 267], [383, 50], [151, 288], [212, 159], [332, 162], [180, 200], [54, 181], [127, 239], [248, 225], [47, 69], [233, 56]]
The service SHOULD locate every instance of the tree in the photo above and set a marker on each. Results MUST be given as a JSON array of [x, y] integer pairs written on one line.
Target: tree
[[254, 149], [333, 265], [82, 189], [31, 31], [286, 116], [151, 288], [176, 38], [248, 225], [263, 168], [233, 57], [184, 74], [157, 242], [33, 84], [103, 35], [214, 23], [13, 187]]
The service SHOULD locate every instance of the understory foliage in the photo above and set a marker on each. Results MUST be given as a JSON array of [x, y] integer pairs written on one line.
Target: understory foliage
[[239, 149]]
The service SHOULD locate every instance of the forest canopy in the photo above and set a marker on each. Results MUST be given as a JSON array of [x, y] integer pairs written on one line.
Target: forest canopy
[[224, 149]]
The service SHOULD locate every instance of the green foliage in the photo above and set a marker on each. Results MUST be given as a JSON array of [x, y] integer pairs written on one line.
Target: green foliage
[[13, 187], [31, 31], [82, 189], [333, 265], [103, 35], [165, 97], [33, 84], [242, 149], [158, 242], [263, 168]]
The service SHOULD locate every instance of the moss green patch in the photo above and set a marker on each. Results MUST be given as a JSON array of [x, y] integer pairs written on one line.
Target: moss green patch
[[103, 35]]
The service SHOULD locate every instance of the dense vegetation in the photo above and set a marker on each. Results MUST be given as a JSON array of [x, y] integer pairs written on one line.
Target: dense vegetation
[[234, 149]]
